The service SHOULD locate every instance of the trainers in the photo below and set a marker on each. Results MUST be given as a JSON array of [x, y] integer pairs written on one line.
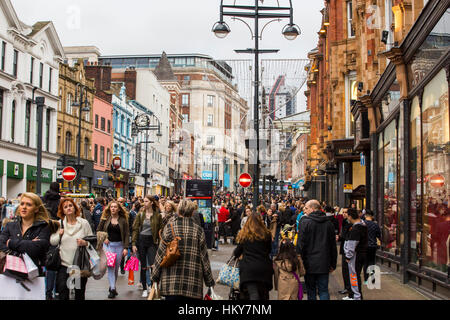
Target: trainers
[[366, 282], [145, 294], [344, 291], [347, 298]]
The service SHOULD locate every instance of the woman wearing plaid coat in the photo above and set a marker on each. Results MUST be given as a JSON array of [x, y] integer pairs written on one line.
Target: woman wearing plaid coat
[[184, 279]]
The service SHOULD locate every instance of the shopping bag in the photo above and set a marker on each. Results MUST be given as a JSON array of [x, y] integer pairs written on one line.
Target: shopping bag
[[130, 278], [27, 290], [94, 258], [15, 267], [132, 264], [154, 293], [81, 259], [211, 295], [229, 274], [110, 259], [100, 269], [32, 269]]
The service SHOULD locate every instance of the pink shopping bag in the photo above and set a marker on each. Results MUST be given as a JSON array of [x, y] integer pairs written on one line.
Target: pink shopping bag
[[132, 264], [110, 258]]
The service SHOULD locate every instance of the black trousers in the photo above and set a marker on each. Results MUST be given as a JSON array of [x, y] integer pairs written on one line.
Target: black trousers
[[370, 260], [61, 286], [254, 291], [346, 274], [146, 255]]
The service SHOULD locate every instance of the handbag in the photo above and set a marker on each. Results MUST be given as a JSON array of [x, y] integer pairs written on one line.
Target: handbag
[[15, 267], [229, 274], [81, 259], [172, 251], [53, 258], [92, 240], [154, 292]]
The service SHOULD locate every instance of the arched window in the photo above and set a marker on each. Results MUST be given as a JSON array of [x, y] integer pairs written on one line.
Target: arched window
[[69, 103], [122, 153], [68, 142], [86, 148], [123, 125], [13, 119], [128, 128], [116, 149], [116, 122]]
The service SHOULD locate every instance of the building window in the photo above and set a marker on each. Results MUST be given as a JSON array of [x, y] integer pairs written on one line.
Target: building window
[[68, 149], [185, 118], [95, 153], [86, 148], [27, 123], [1, 112], [123, 126], [41, 74], [210, 121], [102, 124], [102, 155], [15, 63], [211, 101], [116, 122], [69, 103], [13, 120], [59, 140], [3, 55], [32, 70], [185, 100], [47, 130], [96, 121], [351, 30], [50, 74], [210, 140], [128, 128], [430, 169], [109, 126], [351, 95], [108, 156]]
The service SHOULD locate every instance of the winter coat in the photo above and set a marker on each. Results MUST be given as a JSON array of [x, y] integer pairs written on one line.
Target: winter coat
[[223, 214], [235, 217], [51, 202], [155, 224], [317, 243], [185, 277], [255, 265], [124, 229], [285, 282], [37, 250], [344, 234], [97, 215]]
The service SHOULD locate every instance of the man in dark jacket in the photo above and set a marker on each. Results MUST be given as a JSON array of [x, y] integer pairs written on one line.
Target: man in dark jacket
[[98, 211], [51, 200], [317, 247], [329, 211]]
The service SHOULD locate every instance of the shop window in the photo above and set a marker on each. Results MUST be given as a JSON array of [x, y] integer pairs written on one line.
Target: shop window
[[388, 187], [434, 47], [431, 144], [390, 101]]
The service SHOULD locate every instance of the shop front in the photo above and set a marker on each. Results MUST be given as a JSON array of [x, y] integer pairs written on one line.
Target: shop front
[[120, 181], [101, 183], [411, 154], [2, 163], [46, 179], [84, 182], [15, 179]]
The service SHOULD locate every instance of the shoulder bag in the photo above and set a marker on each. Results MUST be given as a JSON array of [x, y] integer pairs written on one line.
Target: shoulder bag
[[172, 251], [53, 259]]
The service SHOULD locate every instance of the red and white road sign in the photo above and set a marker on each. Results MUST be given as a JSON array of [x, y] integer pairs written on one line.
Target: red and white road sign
[[245, 180], [437, 181], [69, 173], [117, 163]]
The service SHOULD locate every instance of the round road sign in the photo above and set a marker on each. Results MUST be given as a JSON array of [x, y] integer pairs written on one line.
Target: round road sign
[[245, 180], [69, 173]]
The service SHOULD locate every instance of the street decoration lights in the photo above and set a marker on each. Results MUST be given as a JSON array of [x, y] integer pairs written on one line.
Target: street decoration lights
[[290, 32]]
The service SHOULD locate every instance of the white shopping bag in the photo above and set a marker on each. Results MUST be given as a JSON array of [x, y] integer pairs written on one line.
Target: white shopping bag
[[94, 258], [11, 290], [32, 269]]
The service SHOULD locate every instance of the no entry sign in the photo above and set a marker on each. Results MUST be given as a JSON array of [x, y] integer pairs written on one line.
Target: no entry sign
[[245, 180], [69, 173]]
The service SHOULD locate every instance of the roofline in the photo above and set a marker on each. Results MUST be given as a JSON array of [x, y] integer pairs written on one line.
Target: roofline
[[156, 56]]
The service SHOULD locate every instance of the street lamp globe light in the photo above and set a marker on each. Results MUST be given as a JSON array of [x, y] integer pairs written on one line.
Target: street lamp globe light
[[221, 29], [291, 31]]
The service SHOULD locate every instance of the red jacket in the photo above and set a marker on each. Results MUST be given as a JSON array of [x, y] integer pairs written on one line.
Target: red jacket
[[223, 214]]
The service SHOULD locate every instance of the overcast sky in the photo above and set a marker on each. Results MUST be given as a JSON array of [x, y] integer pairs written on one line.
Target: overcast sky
[[175, 26]]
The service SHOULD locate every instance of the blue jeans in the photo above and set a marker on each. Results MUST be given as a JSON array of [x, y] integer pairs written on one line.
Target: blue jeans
[[113, 272], [274, 251], [50, 282], [317, 283]]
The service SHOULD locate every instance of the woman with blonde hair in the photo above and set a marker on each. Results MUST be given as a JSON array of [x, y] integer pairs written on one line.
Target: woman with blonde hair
[[184, 279], [70, 237], [255, 268], [145, 238], [30, 232], [114, 222], [170, 210]]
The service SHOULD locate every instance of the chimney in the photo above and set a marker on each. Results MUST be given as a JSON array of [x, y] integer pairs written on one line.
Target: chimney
[[130, 83]]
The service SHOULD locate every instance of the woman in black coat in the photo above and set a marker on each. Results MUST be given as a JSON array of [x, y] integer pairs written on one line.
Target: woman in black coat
[[30, 232], [235, 222], [255, 267]]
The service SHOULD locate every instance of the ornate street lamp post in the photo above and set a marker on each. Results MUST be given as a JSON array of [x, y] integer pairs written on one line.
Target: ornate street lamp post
[[290, 32]]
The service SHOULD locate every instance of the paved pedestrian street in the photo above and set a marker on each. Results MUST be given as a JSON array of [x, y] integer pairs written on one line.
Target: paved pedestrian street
[[391, 286]]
